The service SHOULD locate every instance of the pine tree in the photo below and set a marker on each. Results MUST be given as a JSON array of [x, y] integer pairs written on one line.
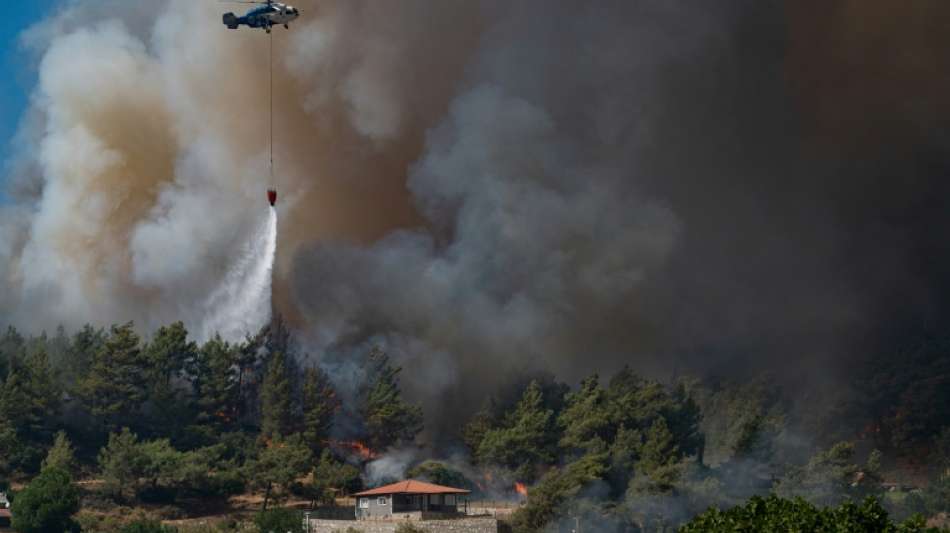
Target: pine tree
[[116, 386], [58, 350], [280, 463], [276, 416], [587, 416], [480, 424], [215, 384], [122, 463], [527, 439], [12, 345], [387, 417], [319, 403], [12, 450], [168, 353], [30, 399], [659, 448], [47, 504], [29, 404], [61, 455], [80, 352]]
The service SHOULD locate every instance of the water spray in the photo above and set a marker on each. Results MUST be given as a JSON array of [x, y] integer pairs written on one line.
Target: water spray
[[242, 303]]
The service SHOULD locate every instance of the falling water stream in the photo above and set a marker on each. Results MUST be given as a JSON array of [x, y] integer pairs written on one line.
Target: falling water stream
[[242, 303]]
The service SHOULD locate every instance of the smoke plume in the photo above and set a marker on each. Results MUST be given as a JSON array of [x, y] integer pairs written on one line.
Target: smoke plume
[[491, 188]]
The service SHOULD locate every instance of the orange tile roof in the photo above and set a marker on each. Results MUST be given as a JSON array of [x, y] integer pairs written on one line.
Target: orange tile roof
[[411, 486]]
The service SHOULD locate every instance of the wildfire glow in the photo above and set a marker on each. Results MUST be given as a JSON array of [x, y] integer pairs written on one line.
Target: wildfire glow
[[363, 451], [521, 489]]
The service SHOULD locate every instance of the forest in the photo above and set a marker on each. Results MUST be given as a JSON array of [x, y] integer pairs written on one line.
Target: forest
[[105, 422]]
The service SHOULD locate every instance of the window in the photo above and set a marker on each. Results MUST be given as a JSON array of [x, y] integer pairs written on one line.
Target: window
[[364, 503], [449, 499], [381, 500], [433, 499]]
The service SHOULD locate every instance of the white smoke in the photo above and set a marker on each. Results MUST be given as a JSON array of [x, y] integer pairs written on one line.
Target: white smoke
[[391, 467], [241, 305]]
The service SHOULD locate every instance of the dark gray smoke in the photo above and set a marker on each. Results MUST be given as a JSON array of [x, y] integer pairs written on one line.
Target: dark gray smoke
[[493, 188]]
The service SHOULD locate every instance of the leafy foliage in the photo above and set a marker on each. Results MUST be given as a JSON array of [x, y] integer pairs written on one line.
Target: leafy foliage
[[440, 474], [546, 500], [278, 520], [276, 416], [279, 463], [319, 404], [526, 439], [332, 476], [777, 514], [115, 386], [387, 417], [830, 476], [123, 463], [61, 455], [29, 402], [47, 504], [216, 385]]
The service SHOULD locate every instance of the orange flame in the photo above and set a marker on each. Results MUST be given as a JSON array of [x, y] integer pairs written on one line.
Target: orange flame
[[363, 451], [521, 489]]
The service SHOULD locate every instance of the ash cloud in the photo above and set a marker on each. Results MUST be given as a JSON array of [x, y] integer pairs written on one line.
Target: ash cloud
[[493, 188]]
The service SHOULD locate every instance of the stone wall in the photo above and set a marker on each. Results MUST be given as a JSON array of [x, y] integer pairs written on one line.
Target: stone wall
[[461, 525]]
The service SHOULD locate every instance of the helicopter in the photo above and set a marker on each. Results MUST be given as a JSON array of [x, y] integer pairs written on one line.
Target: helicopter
[[269, 13]]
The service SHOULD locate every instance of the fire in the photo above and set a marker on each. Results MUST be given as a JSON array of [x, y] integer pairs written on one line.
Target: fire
[[521, 489], [363, 451]]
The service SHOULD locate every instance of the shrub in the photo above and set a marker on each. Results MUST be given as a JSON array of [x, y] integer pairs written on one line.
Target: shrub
[[47, 504], [278, 520], [777, 514]]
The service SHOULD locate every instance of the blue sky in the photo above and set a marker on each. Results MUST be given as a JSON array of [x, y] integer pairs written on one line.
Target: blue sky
[[18, 76]]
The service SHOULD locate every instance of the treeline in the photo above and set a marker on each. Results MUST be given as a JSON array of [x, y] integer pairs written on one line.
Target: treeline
[[167, 419], [629, 455]]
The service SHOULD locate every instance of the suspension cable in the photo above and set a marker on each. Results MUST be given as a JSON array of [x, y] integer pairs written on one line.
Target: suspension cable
[[271, 38]]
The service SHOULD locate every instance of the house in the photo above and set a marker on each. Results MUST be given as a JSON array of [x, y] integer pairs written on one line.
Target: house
[[409, 499]]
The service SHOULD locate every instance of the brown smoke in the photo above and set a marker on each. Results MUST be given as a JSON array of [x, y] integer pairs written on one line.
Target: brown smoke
[[154, 144], [494, 187]]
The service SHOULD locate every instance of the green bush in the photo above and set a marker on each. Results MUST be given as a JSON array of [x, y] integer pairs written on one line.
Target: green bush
[[47, 504], [778, 514], [279, 521]]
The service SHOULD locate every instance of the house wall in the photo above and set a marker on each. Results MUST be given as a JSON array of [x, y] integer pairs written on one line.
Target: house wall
[[375, 510], [461, 525], [401, 506]]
